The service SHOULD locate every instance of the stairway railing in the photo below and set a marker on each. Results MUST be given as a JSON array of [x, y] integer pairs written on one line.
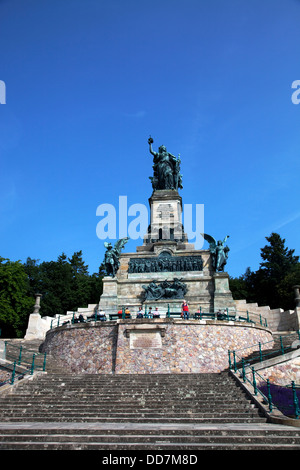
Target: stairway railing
[[261, 354], [233, 316], [22, 360], [282, 398], [225, 315], [285, 397]]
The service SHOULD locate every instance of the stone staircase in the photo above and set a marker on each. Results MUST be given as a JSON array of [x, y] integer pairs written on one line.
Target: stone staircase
[[136, 412], [184, 398], [153, 412]]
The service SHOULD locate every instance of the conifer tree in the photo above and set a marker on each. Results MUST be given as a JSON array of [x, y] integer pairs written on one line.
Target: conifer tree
[[272, 284]]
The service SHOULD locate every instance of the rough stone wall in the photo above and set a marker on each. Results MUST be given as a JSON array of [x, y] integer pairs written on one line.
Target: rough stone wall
[[186, 346], [5, 374], [82, 348], [283, 373]]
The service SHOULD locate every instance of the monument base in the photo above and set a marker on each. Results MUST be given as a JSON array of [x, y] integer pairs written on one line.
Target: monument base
[[162, 346], [205, 289], [166, 267], [222, 295]]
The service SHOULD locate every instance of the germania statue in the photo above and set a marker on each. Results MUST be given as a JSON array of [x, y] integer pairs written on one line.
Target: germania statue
[[166, 169]]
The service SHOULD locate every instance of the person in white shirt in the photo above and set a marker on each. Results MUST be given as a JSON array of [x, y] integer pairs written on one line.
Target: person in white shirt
[[156, 313]]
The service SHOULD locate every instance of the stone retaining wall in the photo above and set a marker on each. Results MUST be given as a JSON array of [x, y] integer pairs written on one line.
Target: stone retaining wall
[[84, 347], [152, 346], [282, 373]]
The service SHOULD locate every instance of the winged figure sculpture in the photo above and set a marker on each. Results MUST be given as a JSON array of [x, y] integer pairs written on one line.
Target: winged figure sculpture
[[112, 254], [218, 251]]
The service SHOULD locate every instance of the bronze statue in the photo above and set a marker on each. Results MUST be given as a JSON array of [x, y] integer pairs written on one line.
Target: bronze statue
[[218, 251], [166, 169], [165, 290], [112, 254], [165, 262]]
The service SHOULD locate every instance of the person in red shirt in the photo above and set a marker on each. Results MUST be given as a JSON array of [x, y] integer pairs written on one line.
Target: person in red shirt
[[185, 310]]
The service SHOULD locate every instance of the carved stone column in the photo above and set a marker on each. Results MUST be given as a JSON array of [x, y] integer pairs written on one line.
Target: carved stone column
[[37, 305]]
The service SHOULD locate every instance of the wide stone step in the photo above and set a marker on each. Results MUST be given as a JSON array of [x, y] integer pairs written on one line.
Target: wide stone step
[[129, 391], [142, 378], [114, 394], [158, 421], [142, 383], [155, 439], [153, 446], [115, 399], [134, 384], [52, 413], [127, 412], [148, 431], [226, 404], [126, 406]]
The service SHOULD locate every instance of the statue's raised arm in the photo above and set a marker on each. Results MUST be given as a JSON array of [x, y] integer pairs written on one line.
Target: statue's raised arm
[[150, 142]]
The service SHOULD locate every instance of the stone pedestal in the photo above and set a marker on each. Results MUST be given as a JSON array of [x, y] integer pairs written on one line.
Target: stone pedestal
[[126, 289], [37, 326], [222, 295], [37, 304], [166, 255], [109, 301], [166, 216]]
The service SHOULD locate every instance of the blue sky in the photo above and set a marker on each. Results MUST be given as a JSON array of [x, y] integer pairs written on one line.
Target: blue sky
[[87, 82]]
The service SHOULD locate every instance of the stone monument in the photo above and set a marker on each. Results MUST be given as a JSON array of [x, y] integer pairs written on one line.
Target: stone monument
[[166, 268]]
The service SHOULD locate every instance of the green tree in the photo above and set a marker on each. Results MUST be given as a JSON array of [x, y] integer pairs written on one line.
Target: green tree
[[80, 285], [32, 270], [15, 302], [278, 260], [56, 286], [65, 284], [278, 273], [272, 284], [97, 285]]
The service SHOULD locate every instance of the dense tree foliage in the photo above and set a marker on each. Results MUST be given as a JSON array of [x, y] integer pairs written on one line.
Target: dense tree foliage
[[65, 284], [15, 301], [272, 284]]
